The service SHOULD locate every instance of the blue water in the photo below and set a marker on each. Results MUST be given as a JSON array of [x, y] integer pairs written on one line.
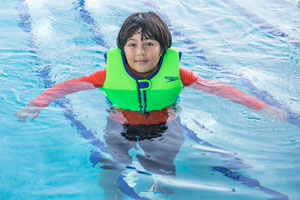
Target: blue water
[[252, 45]]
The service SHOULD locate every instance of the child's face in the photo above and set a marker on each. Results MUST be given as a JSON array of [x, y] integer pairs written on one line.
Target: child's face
[[142, 56]]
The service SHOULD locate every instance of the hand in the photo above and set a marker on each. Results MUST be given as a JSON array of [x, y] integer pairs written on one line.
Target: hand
[[271, 112], [25, 112]]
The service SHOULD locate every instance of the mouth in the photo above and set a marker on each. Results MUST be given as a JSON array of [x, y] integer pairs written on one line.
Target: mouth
[[141, 61]]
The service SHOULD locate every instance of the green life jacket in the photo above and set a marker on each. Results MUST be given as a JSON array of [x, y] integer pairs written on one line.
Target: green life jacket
[[126, 91]]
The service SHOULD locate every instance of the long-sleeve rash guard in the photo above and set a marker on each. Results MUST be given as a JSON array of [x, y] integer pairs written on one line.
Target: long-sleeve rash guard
[[187, 77]]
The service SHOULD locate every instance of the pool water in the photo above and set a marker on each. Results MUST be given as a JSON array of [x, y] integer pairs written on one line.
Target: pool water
[[229, 152]]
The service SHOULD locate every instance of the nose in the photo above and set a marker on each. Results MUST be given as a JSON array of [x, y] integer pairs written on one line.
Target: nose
[[140, 50]]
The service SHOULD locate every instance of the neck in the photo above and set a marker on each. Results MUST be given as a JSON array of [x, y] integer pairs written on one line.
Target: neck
[[144, 75]]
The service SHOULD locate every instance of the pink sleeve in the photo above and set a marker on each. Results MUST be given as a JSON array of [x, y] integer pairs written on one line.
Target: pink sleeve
[[188, 78], [94, 80]]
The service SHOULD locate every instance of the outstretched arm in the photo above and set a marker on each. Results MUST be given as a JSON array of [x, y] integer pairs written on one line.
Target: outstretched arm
[[61, 90], [34, 107], [226, 91]]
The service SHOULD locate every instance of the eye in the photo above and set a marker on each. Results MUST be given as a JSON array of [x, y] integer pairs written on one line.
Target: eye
[[131, 44], [149, 44]]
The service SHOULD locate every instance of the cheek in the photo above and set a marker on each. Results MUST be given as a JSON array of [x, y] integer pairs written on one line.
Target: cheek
[[158, 57], [128, 56]]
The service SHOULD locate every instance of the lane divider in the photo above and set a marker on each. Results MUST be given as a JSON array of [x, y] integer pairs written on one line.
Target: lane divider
[[88, 19], [252, 183], [234, 163], [263, 24]]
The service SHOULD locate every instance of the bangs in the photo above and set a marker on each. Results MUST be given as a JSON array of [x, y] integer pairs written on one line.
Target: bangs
[[146, 33]]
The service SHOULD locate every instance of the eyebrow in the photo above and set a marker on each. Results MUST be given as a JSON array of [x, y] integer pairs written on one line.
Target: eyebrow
[[131, 39]]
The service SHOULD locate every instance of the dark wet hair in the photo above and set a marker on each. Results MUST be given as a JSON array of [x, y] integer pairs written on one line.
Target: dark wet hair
[[153, 27]]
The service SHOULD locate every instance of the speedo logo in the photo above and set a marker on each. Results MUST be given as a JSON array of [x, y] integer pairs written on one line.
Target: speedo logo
[[171, 78]]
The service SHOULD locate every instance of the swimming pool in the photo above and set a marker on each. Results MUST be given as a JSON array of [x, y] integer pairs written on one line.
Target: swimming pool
[[228, 149]]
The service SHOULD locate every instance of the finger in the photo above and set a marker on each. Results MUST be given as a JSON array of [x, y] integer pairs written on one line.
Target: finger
[[35, 115], [280, 115], [20, 116], [23, 117], [268, 116], [283, 117]]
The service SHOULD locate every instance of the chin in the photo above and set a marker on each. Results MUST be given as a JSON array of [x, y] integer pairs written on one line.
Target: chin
[[141, 72]]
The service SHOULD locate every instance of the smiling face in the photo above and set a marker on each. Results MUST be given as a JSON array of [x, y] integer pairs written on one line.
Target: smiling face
[[142, 55]]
